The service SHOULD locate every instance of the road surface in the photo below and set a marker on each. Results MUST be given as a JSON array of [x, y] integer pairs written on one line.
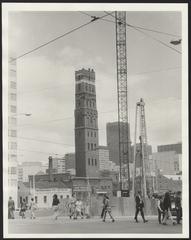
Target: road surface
[[47, 225]]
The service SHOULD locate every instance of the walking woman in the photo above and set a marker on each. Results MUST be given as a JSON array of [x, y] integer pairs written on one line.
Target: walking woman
[[139, 207], [107, 208], [23, 208], [55, 204], [167, 209]]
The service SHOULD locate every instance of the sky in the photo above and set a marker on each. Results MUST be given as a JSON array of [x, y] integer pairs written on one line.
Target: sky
[[46, 77]]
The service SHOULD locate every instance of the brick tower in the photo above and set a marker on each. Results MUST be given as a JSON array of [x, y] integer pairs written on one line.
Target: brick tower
[[86, 124]]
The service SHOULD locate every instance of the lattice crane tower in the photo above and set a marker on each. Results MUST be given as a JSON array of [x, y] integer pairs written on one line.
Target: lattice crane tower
[[142, 176], [121, 55]]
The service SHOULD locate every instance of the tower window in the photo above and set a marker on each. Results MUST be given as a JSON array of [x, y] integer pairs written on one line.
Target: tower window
[[95, 162], [88, 133], [91, 134], [92, 146], [92, 161], [95, 134], [89, 161], [88, 146], [95, 145]]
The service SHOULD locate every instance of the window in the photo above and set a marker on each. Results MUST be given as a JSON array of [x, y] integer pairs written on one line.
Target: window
[[13, 96], [92, 161], [91, 134], [45, 199], [88, 133], [36, 199], [26, 199], [88, 161], [88, 146], [12, 133], [13, 170], [13, 109], [95, 134], [13, 85], [95, 162], [95, 146], [12, 145], [12, 120], [87, 103], [79, 86], [92, 146]]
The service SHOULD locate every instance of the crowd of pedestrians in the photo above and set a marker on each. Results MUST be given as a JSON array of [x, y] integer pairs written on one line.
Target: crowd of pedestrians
[[74, 207]]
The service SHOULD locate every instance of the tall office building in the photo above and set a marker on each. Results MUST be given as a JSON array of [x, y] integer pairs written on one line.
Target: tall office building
[[12, 131], [113, 141], [177, 147], [86, 124]]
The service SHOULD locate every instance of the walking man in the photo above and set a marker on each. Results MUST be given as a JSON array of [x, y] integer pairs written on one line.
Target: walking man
[[107, 208], [167, 209], [178, 207], [103, 209], [55, 204], [139, 207], [160, 208], [11, 208]]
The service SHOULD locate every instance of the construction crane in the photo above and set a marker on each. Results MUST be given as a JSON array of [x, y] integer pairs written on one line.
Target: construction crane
[[123, 126], [142, 176]]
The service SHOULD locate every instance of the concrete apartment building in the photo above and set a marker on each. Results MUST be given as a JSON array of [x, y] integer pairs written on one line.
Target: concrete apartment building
[[177, 147], [70, 163], [86, 124], [58, 164], [28, 168], [12, 131], [167, 162], [113, 141]]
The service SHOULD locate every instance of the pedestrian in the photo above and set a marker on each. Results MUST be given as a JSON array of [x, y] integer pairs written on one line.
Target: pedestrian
[[167, 209], [139, 207], [107, 209], [23, 208], [78, 209], [55, 204], [160, 209], [103, 208], [178, 206], [11, 208], [32, 208], [67, 205], [61, 207], [87, 209], [72, 206]]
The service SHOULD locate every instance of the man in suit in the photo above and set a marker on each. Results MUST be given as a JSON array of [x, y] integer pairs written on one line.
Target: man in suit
[[139, 207]]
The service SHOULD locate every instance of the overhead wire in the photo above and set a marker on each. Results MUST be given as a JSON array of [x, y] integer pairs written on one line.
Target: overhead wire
[[148, 35], [130, 25], [59, 37]]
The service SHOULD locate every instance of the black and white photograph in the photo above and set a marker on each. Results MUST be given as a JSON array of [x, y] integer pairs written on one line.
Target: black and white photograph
[[95, 120]]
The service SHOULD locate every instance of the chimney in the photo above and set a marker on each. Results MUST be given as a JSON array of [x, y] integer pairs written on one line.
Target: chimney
[[50, 169]]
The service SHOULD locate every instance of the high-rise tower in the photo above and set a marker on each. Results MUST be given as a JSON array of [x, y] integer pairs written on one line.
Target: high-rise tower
[[86, 124]]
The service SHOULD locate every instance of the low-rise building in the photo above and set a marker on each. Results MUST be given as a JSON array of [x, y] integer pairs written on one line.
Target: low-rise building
[[43, 192]]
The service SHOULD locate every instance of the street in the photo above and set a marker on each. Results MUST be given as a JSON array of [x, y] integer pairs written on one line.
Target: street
[[48, 225]]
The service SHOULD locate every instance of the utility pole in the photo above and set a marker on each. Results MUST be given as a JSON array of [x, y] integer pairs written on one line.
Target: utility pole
[[121, 60]]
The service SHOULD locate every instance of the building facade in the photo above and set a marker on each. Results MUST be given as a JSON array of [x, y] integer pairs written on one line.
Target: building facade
[[28, 168], [12, 131], [58, 164], [70, 162], [167, 162], [86, 124], [177, 147], [113, 141], [103, 155]]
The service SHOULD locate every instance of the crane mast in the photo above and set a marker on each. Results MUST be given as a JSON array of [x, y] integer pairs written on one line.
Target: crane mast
[[121, 55]]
